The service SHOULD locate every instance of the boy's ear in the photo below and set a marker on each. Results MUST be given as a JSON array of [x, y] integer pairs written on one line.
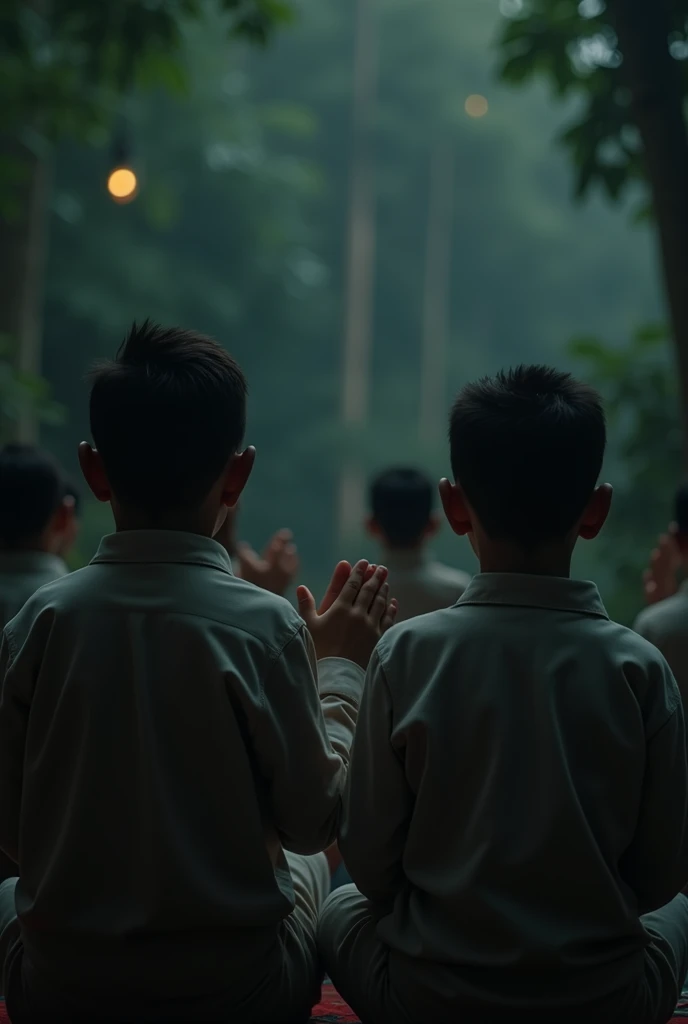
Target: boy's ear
[[63, 528], [455, 508], [373, 527], [64, 516], [94, 472], [236, 476], [596, 512]]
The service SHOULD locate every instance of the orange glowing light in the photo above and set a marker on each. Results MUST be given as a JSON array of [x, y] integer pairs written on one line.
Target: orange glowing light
[[476, 106], [122, 184]]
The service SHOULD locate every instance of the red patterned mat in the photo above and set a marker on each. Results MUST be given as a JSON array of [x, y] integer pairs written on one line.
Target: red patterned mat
[[333, 1010]]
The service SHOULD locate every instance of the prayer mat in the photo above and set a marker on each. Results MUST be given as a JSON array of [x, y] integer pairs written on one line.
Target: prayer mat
[[333, 1010]]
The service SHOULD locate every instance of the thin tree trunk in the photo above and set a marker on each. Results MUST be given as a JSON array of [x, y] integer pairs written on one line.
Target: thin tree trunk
[[653, 78], [23, 244], [436, 292], [360, 262]]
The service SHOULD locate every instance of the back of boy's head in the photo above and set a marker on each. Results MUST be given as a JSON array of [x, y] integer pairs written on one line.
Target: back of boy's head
[[527, 448], [32, 488], [166, 416], [401, 503]]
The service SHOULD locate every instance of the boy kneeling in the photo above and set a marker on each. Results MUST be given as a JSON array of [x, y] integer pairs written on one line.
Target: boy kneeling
[[163, 739], [517, 813]]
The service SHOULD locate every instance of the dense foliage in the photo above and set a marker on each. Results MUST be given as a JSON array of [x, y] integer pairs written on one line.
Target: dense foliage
[[239, 230]]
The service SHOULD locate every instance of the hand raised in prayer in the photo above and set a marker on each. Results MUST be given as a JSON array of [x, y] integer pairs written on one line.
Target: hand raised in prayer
[[354, 614], [275, 569], [659, 579]]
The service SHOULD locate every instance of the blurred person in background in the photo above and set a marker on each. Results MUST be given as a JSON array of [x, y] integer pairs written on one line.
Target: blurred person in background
[[274, 570], [38, 524], [38, 527], [403, 521], [665, 621]]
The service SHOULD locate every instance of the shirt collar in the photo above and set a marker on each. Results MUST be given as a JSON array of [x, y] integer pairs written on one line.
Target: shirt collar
[[526, 591], [163, 546], [30, 562]]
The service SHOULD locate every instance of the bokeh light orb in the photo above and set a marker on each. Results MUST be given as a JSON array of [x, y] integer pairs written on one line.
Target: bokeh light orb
[[476, 105], [122, 184]]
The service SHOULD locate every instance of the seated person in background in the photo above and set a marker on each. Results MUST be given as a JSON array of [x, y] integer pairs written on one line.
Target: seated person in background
[[518, 790], [275, 570], [665, 621], [166, 736], [402, 521], [37, 525]]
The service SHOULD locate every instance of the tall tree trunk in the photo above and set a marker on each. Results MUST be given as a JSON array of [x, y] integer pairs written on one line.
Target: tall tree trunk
[[23, 244], [436, 292], [360, 262], [23, 251], [653, 78]]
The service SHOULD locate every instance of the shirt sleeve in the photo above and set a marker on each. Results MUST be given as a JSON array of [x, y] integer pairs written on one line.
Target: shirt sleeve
[[15, 701], [655, 865], [379, 801], [303, 736], [643, 626]]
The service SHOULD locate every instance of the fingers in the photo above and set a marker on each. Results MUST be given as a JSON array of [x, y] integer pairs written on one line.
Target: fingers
[[379, 605], [289, 558], [249, 559], [306, 604], [339, 579], [354, 584], [276, 545], [389, 618], [369, 590]]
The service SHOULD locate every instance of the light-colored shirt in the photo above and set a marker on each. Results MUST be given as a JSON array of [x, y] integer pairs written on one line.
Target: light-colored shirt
[[665, 625], [163, 736], [22, 573], [518, 792], [421, 585]]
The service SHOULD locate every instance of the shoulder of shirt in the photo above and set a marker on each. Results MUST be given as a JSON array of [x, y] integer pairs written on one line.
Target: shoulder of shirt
[[667, 614], [47, 596], [431, 626], [435, 627], [628, 642], [635, 652], [268, 618]]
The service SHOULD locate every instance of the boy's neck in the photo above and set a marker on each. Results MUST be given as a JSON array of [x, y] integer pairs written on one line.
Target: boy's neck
[[180, 522], [548, 560], [412, 554]]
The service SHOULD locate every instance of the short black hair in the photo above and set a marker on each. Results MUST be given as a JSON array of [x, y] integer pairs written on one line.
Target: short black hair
[[166, 416], [527, 448], [681, 509], [401, 501], [31, 490]]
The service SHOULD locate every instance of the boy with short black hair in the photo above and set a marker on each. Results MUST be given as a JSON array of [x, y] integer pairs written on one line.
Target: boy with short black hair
[[164, 737], [403, 521], [37, 524], [518, 792]]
